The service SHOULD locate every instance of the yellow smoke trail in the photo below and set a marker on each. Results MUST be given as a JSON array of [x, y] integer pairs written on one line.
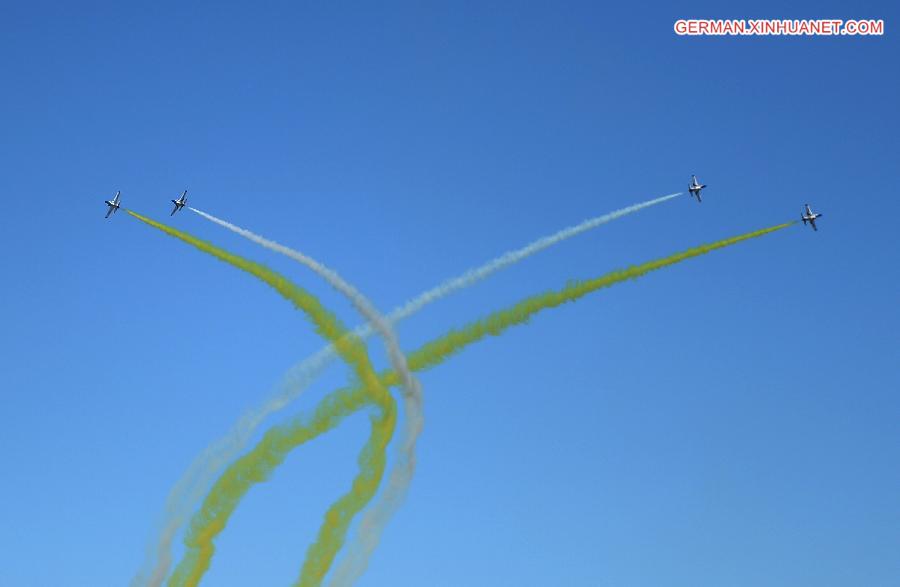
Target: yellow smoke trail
[[189, 490], [332, 533], [256, 465], [435, 352], [402, 472], [210, 521]]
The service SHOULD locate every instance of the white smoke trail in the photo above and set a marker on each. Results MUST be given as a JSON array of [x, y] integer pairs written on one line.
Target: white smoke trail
[[190, 489], [353, 564], [199, 476], [188, 492], [507, 259], [362, 304]]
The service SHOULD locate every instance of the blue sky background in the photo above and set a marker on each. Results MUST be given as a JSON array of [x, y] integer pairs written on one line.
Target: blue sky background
[[730, 421]]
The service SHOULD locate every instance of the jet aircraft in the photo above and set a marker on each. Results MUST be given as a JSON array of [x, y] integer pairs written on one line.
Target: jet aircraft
[[113, 204], [810, 217], [694, 188], [179, 203]]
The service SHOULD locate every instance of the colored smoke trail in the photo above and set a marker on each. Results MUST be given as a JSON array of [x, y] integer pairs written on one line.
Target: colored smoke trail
[[189, 490], [359, 301], [437, 351], [257, 464], [208, 522], [322, 552], [373, 522], [402, 471]]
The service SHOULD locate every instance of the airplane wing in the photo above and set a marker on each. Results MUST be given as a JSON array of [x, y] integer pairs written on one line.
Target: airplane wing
[[174, 210], [108, 212], [116, 199], [813, 222]]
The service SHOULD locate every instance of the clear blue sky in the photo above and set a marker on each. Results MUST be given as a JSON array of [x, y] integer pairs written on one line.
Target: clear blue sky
[[730, 421]]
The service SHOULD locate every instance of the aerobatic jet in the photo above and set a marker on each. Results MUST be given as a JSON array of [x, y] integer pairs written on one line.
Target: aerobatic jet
[[113, 204], [694, 187], [810, 217], [179, 203]]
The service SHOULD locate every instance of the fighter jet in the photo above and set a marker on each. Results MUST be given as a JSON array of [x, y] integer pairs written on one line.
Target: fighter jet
[[694, 187], [113, 204], [810, 217], [179, 203]]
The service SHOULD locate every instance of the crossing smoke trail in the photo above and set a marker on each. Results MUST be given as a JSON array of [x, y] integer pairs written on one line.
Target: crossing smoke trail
[[190, 488], [401, 474], [373, 522], [359, 301], [207, 523], [280, 440]]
